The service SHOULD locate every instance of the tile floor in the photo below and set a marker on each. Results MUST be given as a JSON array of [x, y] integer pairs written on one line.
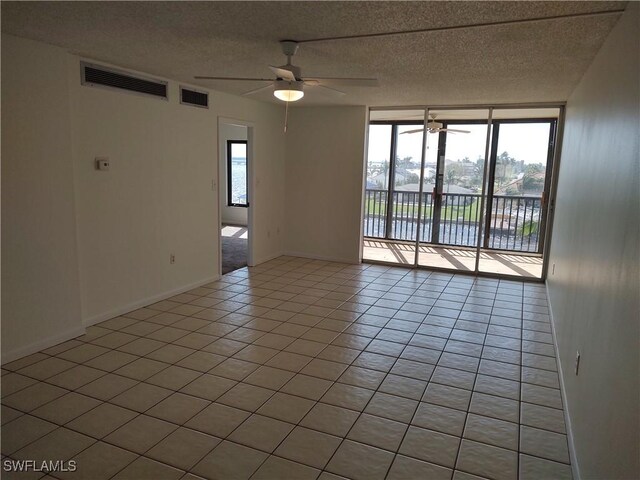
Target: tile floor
[[302, 369]]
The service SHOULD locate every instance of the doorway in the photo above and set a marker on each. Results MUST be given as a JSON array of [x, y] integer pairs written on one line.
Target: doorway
[[468, 193], [234, 143]]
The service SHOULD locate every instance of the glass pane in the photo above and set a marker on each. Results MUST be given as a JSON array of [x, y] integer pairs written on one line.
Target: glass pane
[[238, 164], [406, 185], [376, 189], [519, 180]]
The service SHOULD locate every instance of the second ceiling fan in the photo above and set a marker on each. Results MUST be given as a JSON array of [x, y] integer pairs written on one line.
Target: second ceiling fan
[[289, 83]]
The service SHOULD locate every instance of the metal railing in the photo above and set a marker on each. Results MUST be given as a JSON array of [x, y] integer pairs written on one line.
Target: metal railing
[[514, 222]]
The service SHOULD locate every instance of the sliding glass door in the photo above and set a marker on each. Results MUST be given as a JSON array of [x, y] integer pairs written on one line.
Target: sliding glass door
[[467, 191]]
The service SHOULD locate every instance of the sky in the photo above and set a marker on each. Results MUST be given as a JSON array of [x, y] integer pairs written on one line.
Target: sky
[[528, 142]]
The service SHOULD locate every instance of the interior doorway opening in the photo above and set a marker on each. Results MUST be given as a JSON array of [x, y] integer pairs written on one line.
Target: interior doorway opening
[[234, 140], [460, 189]]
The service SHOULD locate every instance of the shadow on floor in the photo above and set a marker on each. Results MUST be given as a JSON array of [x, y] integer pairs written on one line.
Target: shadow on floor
[[234, 248]]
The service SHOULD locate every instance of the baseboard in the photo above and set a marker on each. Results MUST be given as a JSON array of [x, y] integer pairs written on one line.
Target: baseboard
[[146, 301], [42, 344], [325, 258], [575, 468]]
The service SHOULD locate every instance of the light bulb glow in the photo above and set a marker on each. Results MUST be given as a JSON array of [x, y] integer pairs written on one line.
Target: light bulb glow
[[288, 91]]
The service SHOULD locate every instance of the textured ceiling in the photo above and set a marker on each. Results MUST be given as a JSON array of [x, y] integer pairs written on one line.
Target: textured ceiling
[[528, 62]]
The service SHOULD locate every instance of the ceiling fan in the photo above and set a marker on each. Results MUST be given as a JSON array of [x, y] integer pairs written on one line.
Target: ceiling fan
[[289, 82], [435, 127]]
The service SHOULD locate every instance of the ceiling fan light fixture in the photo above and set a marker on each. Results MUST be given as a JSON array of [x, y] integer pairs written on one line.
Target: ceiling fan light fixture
[[288, 91]]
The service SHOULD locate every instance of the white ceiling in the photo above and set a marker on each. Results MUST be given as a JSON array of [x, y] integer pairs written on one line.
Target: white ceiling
[[538, 61]]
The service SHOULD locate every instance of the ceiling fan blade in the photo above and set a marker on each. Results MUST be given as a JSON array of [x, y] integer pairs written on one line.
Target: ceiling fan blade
[[326, 89], [413, 131], [346, 82], [200, 77], [256, 90], [283, 73], [453, 130]]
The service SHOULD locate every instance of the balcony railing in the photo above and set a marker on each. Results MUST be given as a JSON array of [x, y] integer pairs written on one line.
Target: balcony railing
[[514, 222]]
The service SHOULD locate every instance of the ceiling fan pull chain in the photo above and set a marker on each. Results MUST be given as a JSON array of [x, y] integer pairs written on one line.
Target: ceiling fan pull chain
[[286, 116]]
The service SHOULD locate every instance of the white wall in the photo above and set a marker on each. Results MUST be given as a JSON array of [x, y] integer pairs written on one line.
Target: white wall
[[40, 288], [324, 175], [157, 198], [230, 215], [594, 291]]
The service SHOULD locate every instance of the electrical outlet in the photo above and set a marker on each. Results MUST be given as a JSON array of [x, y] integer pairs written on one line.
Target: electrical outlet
[[172, 259], [577, 361]]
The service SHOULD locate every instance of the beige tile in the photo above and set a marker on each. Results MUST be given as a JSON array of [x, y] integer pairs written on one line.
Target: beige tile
[[145, 469], [99, 462], [234, 369], [308, 447], [102, 420], [281, 469], [183, 448], [347, 396], [113, 340], [496, 407], [201, 361], [378, 432], [392, 407], [141, 328], [24, 361], [246, 397], [141, 346], [406, 468], [32, 397], [83, 353], [219, 420], [324, 369], [256, 354], [360, 462], [269, 377], [292, 362], [60, 444], [544, 444], [307, 387], [170, 353], [487, 461], [330, 419], [10, 414], [141, 369], [141, 313], [305, 347], [174, 377], [230, 461], [75, 377], [403, 386], [262, 433], [14, 382], [542, 417], [66, 408], [107, 386], [111, 360], [447, 396], [141, 397], [534, 468], [209, 387], [430, 446], [362, 377], [49, 367], [178, 408], [140, 434], [440, 419], [22, 431], [491, 431], [286, 407]]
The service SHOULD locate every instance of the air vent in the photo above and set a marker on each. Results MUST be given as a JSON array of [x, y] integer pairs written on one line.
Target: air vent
[[99, 76], [189, 96]]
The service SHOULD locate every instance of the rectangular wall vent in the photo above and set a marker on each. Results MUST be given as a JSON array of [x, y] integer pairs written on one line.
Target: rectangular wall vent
[[196, 98], [97, 75]]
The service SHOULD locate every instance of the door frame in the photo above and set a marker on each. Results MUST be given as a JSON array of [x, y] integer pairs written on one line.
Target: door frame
[[250, 126]]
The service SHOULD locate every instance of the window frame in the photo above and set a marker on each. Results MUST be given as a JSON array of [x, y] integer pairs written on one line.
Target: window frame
[[230, 144]]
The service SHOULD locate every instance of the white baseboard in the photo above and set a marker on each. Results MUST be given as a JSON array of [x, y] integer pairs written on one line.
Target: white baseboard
[[146, 301], [38, 345], [323, 257], [575, 468]]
